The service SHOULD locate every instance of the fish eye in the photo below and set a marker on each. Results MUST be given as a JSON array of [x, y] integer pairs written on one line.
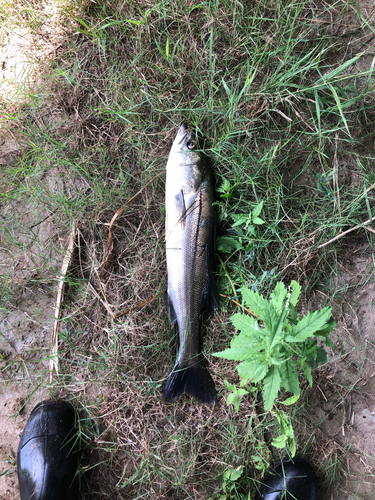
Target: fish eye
[[191, 144]]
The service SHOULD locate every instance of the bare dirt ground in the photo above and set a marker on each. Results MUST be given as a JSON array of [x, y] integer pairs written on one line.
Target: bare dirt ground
[[335, 425], [339, 412], [26, 325]]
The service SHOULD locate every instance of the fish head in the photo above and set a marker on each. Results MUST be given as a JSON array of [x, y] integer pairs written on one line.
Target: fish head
[[185, 141], [186, 167], [185, 163]]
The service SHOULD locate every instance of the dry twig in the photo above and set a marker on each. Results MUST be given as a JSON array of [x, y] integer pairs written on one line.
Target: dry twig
[[110, 248], [346, 232], [240, 306], [53, 366]]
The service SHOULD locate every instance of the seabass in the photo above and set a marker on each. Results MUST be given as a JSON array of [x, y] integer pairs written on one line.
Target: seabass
[[190, 245]]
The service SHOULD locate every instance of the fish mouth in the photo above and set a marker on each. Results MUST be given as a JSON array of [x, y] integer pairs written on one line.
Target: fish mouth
[[182, 132]]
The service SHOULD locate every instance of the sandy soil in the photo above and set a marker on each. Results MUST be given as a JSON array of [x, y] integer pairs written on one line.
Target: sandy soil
[[346, 387], [26, 322]]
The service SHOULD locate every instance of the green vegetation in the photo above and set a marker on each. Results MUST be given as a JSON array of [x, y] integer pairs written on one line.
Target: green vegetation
[[273, 345], [276, 91], [272, 352]]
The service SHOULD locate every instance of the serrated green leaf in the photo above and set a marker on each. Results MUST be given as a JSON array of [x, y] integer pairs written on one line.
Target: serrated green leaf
[[236, 403], [289, 377], [273, 323], [311, 323], [242, 392], [230, 399], [225, 186], [254, 301], [280, 441], [236, 352], [278, 296], [321, 356], [286, 429], [226, 244], [284, 423], [296, 291], [259, 463], [253, 369], [239, 219], [291, 400], [329, 342], [271, 387], [229, 386], [256, 211], [269, 318], [292, 446], [233, 474], [309, 347], [247, 325], [233, 354], [258, 221], [242, 346], [307, 371], [292, 314], [330, 326]]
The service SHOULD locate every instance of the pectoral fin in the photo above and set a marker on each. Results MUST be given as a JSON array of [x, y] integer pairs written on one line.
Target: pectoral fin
[[181, 208]]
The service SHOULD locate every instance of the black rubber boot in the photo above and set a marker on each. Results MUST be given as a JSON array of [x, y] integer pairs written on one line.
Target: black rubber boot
[[290, 480], [47, 457]]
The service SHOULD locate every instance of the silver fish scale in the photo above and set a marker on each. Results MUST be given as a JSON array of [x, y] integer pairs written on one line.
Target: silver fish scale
[[194, 279]]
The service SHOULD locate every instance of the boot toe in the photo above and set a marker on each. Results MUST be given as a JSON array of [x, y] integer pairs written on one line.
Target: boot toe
[[47, 457], [289, 480]]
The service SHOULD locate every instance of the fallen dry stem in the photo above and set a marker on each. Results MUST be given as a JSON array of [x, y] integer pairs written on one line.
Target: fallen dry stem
[[239, 305], [110, 248], [53, 366], [135, 308], [348, 231]]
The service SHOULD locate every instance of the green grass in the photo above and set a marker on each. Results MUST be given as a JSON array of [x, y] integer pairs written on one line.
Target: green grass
[[285, 117]]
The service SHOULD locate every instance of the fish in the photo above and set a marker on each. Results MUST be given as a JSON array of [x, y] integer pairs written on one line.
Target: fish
[[190, 235]]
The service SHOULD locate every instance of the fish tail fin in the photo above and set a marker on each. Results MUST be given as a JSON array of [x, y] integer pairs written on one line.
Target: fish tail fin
[[194, 380]]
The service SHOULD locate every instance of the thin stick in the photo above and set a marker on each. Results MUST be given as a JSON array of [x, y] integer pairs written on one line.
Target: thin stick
[[239, 305], [97, 296], [336, 173], [322, 392], [346, 232], [119, 212], [228, 275], [135, 308], [110, 248], [53, 366]]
